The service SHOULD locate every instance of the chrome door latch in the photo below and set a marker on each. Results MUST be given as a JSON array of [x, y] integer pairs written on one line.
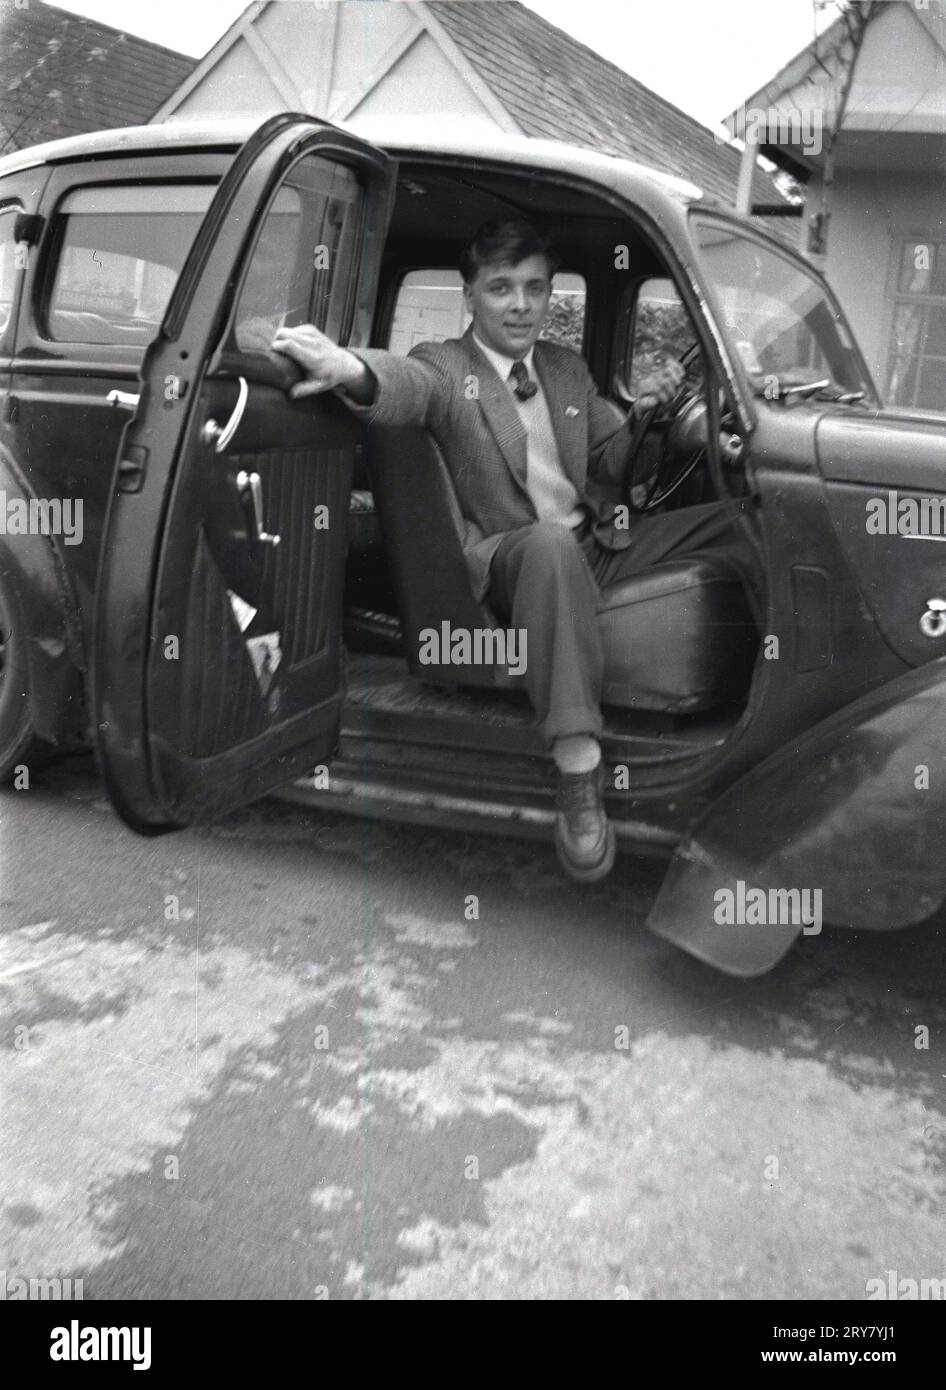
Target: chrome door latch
[[250, 488], [219, 436], [933, 621]]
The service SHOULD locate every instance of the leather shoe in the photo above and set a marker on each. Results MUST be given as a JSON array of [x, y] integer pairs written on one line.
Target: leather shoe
[[584, 839]]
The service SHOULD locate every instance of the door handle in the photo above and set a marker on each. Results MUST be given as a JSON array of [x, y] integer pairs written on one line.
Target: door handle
[[220, 435], [250, 488], [128, 400]]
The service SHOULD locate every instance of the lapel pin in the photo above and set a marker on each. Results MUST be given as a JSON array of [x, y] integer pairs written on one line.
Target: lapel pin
[[571, 411]]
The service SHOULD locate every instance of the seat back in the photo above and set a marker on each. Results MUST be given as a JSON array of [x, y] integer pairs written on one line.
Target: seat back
[[422, 527]]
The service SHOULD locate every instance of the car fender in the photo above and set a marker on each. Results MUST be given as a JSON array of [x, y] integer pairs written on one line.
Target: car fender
[[854, 810], [32, 564]]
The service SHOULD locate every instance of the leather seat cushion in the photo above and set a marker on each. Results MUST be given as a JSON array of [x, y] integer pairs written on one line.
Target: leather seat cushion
[[678, 637]]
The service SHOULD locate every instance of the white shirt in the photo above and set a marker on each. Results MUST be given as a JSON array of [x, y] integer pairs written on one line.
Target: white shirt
[[552, 492]]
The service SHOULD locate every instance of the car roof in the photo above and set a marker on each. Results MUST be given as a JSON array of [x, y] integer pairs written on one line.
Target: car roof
[[400, 136]]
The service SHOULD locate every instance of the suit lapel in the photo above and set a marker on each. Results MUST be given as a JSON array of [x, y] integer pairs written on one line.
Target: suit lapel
[[567, 413], [501, 415]]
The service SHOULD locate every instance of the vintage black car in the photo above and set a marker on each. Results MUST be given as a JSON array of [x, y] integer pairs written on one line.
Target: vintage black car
[[229, 592]]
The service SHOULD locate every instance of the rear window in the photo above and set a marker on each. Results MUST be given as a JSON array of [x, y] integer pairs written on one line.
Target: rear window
[[430, 308], [121, 249]]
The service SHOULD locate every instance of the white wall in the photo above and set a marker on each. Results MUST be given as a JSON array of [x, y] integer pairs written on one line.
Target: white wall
[[355, 61], [871, 213]]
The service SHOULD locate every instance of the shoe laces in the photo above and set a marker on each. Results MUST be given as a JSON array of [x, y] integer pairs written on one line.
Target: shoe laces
[[582, 800]]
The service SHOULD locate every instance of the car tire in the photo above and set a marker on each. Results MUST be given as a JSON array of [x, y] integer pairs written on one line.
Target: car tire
[[18, 741]]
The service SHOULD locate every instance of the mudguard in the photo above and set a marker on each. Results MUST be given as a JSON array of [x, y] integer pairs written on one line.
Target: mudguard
[[854, 810]]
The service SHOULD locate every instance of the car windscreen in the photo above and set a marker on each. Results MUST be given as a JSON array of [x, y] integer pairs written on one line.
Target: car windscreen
[[787, 331]]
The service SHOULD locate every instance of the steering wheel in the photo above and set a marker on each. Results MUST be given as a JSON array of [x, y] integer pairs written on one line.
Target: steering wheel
[[672, 442]]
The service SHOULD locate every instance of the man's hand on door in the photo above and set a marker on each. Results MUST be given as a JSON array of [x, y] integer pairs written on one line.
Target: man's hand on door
[[326, 365]]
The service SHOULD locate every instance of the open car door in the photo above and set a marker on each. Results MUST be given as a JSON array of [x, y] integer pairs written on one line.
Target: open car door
[[217, 661]]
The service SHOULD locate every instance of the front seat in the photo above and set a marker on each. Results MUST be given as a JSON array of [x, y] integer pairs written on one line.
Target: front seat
[[678, 638]]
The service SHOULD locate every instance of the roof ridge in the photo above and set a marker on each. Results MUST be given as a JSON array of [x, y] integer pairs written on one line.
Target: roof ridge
[[535, 18]]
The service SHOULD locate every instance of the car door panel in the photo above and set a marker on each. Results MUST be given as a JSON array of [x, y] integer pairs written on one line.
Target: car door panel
[[885, 491], [218, 671], [226, 692]]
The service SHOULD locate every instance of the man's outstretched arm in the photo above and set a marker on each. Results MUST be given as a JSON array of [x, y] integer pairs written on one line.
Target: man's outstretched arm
[[380, 387]]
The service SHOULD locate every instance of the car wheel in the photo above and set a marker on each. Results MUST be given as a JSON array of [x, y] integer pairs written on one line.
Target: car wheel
[[18, 742]]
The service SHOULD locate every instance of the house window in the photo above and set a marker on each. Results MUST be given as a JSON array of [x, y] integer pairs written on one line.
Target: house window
[[430, 308], [917, 375]]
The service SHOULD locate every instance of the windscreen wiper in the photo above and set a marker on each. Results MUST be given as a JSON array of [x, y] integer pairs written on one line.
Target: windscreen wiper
[[805, 388], [824, 388], [839, 397]]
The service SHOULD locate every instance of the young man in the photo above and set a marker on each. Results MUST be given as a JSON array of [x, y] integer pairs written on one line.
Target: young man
[[535, 455]]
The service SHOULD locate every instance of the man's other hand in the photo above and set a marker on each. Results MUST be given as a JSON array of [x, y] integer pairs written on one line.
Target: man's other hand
[[660, 387], [326, 365]]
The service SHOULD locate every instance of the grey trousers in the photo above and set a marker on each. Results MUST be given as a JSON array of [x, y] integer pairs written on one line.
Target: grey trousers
[[547, 579]]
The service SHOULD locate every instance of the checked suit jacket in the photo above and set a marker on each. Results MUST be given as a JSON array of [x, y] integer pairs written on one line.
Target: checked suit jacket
[[452, 389]]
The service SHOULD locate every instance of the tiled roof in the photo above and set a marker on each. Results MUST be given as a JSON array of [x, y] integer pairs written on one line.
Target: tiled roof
[[554, 87], [63, 74]]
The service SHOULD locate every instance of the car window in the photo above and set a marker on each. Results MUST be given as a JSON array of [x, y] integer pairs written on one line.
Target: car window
[[121, 249], [301, 267], [8, 266], [783, 324], [662, 328], [430, 308]]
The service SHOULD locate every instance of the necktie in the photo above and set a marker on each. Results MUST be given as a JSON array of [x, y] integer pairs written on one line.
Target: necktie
[[524, 388]]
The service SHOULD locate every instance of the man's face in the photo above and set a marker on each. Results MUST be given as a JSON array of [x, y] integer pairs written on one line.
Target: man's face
[[509, 303]]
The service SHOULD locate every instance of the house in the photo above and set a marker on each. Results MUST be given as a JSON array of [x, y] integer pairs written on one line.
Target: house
[[493, 65], [62, 74], [859, 116]]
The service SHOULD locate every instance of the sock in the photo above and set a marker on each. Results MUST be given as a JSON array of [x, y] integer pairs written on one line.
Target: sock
[[576, 753]]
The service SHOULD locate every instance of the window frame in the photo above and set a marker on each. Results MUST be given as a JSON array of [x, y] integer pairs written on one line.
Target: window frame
[[117, 362], [53, 248], [228, 344]]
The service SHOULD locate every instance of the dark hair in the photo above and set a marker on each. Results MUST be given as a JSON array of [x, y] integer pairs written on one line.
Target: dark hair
[[504, 241]]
